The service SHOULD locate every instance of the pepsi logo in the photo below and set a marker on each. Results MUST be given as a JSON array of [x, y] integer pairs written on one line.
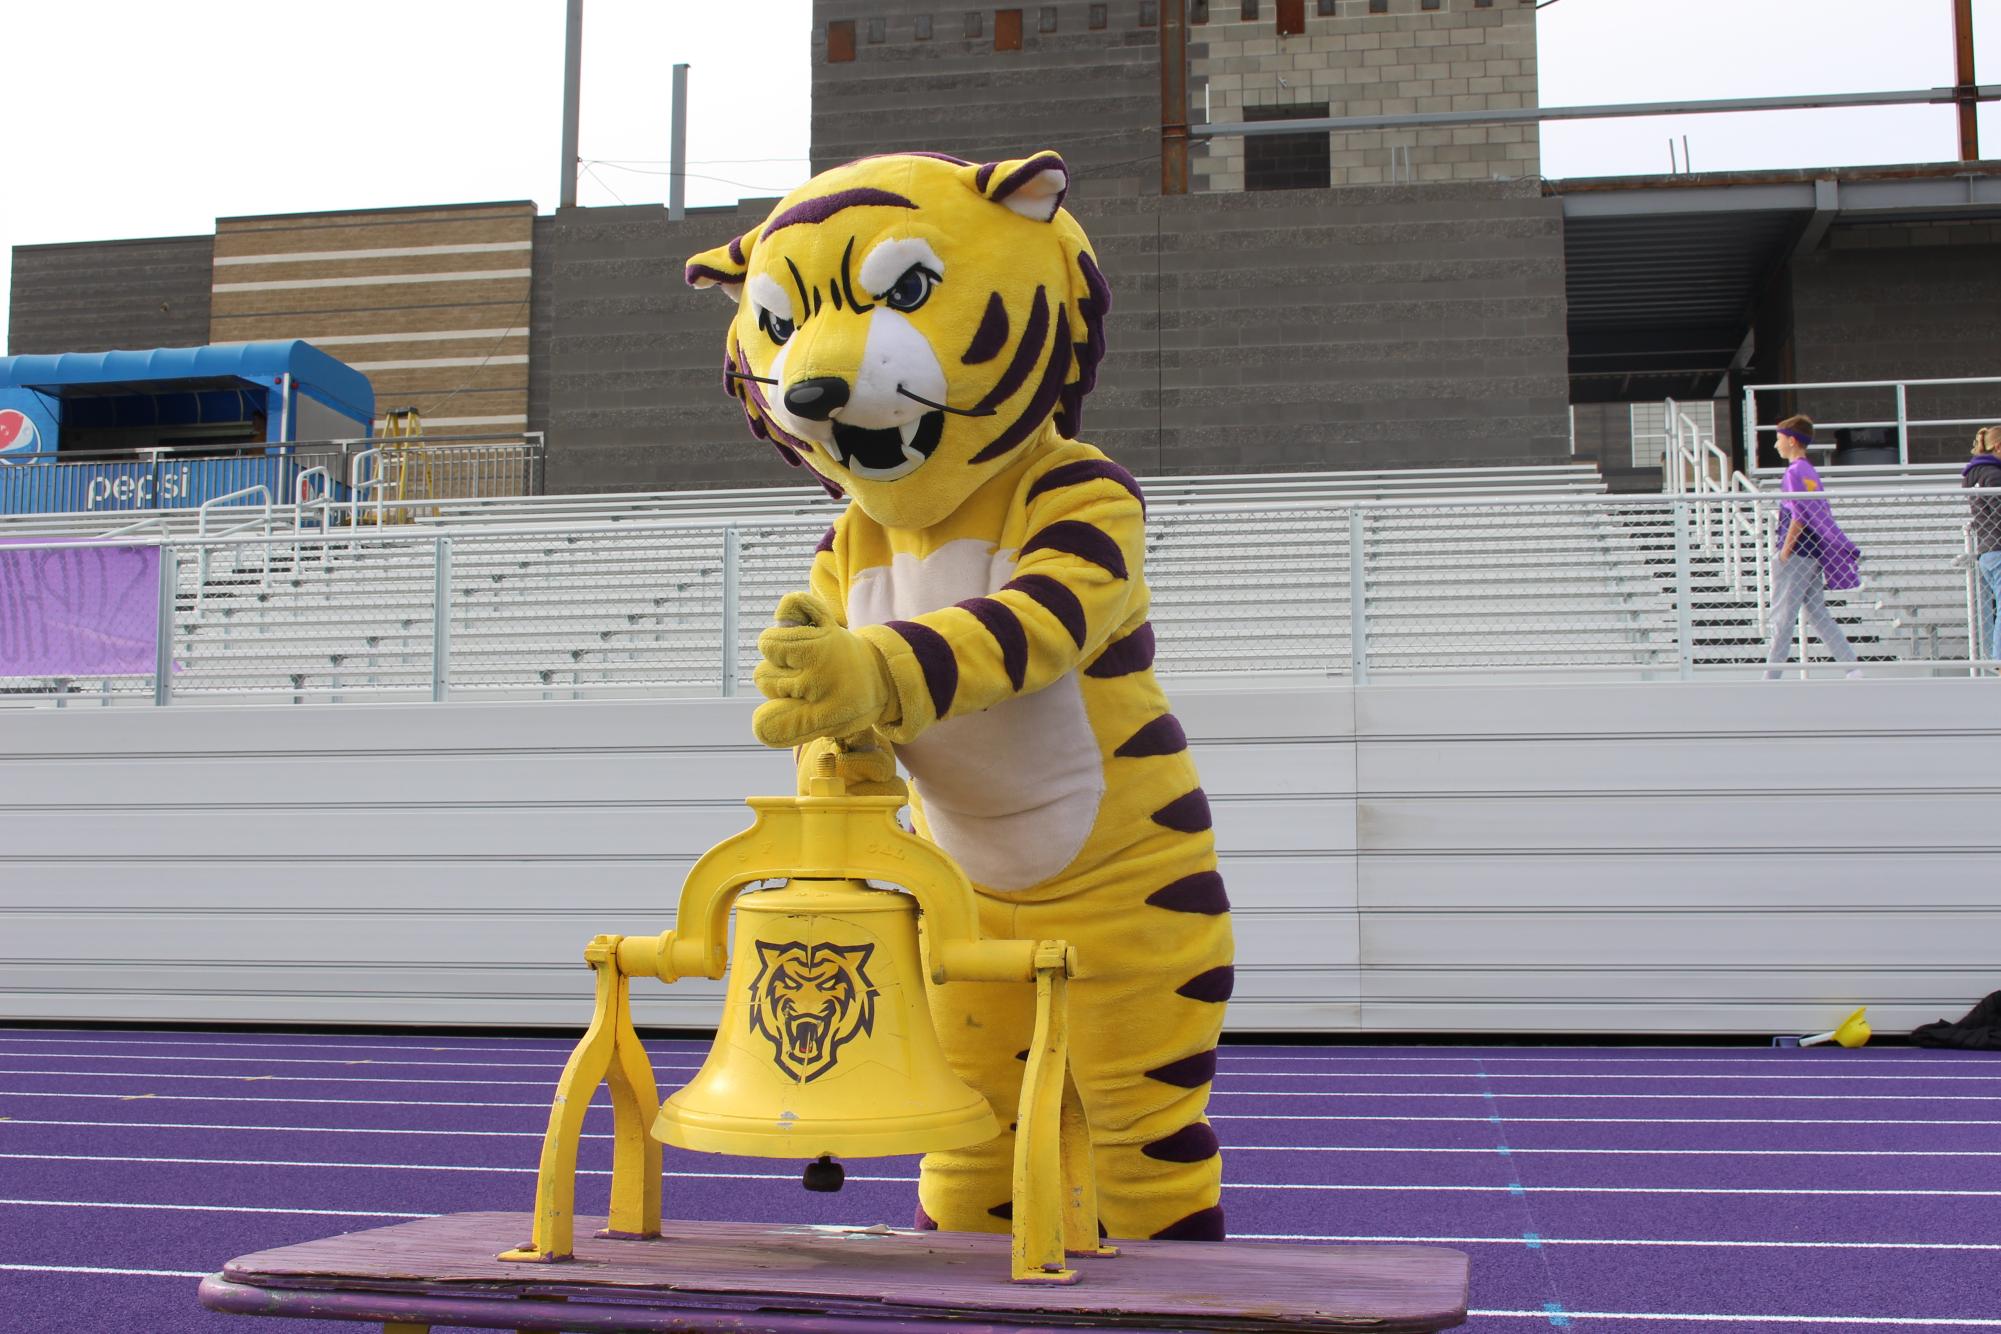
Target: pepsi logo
[[17, 431]]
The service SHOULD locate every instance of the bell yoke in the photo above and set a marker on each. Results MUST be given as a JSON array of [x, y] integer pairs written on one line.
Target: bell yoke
[[921, 333]]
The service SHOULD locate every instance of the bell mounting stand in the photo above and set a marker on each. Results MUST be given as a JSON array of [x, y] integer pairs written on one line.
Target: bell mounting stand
[[833, 843]]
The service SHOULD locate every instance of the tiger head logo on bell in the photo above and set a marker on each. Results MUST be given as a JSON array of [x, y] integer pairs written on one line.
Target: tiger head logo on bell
[[809, 1000]]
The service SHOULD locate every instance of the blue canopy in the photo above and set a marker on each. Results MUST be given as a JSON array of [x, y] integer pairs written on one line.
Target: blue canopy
[[332, 382]]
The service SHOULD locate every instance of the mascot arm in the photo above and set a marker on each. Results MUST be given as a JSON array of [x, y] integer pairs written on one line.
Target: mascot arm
[[1075, 583]]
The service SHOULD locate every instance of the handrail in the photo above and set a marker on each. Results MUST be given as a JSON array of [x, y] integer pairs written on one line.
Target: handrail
[[202, 535], [1902, 421]]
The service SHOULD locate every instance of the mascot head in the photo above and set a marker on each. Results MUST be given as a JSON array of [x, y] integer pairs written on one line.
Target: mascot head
[[906, 323]]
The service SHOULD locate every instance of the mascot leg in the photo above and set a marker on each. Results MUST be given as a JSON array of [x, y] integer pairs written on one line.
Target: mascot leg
[[1145, 1018]]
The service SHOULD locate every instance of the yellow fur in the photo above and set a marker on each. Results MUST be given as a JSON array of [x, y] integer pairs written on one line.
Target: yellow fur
[[982, 607]]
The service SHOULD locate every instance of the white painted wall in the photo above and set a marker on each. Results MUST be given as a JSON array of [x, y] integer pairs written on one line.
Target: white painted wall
[[1565, 858]]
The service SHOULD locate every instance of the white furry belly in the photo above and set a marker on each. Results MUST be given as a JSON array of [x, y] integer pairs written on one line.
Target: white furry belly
[[1011, 792]]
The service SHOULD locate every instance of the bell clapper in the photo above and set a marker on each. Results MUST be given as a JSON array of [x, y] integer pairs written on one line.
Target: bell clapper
[[825, 1175]]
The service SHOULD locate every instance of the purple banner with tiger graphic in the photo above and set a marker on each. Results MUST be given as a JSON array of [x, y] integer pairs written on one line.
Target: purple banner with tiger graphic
[[78, 611]]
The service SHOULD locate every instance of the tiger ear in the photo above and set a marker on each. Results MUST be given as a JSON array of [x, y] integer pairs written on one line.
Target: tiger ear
[[723, 267], [1032, 186]]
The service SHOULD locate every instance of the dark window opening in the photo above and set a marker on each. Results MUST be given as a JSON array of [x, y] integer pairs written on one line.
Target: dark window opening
[[1149, 13], [1429, 4], [1288, 161], [923, 27], [1100, 16], [1324, 8], [1007, 30], [1379, 6], [840, 40], [878, 29], [1291, 17], [1198, 11], [975, 25], [1247, 10], [1047, 20]]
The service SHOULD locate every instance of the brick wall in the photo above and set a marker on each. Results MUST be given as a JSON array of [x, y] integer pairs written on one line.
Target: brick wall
[[1908, 301], [1460, 56], [1091, 93], [99, 296]]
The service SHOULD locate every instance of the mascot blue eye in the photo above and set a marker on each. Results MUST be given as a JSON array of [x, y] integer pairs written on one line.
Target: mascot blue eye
[[912, 290], [777, 326]]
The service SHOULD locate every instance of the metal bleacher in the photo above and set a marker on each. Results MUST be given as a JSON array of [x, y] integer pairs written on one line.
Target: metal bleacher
[[1496, 571]]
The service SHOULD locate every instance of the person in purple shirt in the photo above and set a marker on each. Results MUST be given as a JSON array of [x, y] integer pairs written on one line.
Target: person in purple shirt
[[1983, 472], [1812, 555]]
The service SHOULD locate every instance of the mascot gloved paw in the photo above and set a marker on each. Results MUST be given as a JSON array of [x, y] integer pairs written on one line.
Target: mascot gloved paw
[[818, 678], [869, 770]]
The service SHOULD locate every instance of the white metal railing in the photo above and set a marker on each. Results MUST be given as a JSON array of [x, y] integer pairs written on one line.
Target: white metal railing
[[1404, 588], [1900, 419], [203, 533], [1694, 464]]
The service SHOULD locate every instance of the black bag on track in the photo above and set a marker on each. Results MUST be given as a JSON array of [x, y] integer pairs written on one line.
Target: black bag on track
[[1980, 1030]]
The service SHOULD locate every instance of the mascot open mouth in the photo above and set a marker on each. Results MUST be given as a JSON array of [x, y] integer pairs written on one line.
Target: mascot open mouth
[[889, 453]]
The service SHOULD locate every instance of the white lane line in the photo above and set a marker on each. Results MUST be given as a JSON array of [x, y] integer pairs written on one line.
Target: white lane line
[[556, 1067], [1664, 1242], [603, 1104], [1710, 1318], [407, 1167], [1489, 1150], [1219, 1092], [212, 1208], [94, 1269], [1508, 1189]]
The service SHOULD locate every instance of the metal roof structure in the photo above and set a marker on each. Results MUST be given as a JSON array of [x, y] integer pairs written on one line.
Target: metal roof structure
[[1664, 273], [218, 365]]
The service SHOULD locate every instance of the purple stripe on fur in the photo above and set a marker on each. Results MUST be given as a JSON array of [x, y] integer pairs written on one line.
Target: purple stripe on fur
[[1132, 654], [1213, 986], [1005, 627], [1202, 1225], [1190, 1144], [1186, 814], [1162, 736], [1092, 309], [1054, 598], [1037, 411], [934, 655], [1005, 1209], [826, 542], [983, 175], [695, 272], [1026, 354], [990, 337], [826, 206], [1074, 537], [1027, 172], [1190, 1072], [915, 152], [736, 250], [1086, 470], [1201, 892], [923, 1222]]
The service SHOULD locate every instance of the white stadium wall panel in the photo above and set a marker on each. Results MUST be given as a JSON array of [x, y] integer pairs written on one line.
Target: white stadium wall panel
[[1726, 858]]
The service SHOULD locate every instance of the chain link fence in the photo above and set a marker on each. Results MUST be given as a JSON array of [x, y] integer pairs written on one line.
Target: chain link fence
[[1384, 590]]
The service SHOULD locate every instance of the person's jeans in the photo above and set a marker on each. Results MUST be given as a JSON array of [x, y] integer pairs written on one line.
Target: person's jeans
[[1799, 586], [1990, 570]]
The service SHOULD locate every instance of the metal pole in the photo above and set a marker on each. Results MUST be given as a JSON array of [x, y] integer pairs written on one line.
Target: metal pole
[[1749, 428], [1173, 98], [163, 635], [573, 82], [677, 151], [731, 551], [1603, 111], [1969, 122], [1903, 426], [1358, 604], [441, 621], [1684, 592]]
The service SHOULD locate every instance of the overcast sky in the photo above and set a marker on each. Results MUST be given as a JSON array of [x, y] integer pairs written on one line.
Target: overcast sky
[[140, 118]]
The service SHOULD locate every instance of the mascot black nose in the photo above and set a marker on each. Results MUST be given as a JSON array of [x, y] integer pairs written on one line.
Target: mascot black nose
[[816, 399]]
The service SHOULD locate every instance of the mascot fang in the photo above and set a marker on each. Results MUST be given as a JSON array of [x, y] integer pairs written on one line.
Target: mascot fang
[[921, 333]]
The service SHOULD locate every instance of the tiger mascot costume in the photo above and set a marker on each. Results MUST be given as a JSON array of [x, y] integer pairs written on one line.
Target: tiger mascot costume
[[921, 332]]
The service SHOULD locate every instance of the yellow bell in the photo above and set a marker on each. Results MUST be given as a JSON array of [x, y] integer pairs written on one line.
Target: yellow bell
[[825, 1044]]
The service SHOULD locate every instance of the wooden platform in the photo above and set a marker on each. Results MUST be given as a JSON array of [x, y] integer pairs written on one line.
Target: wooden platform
[[757, 1279]]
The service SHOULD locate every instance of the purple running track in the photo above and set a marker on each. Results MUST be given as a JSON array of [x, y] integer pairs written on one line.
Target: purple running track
[[1609, 1190]]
